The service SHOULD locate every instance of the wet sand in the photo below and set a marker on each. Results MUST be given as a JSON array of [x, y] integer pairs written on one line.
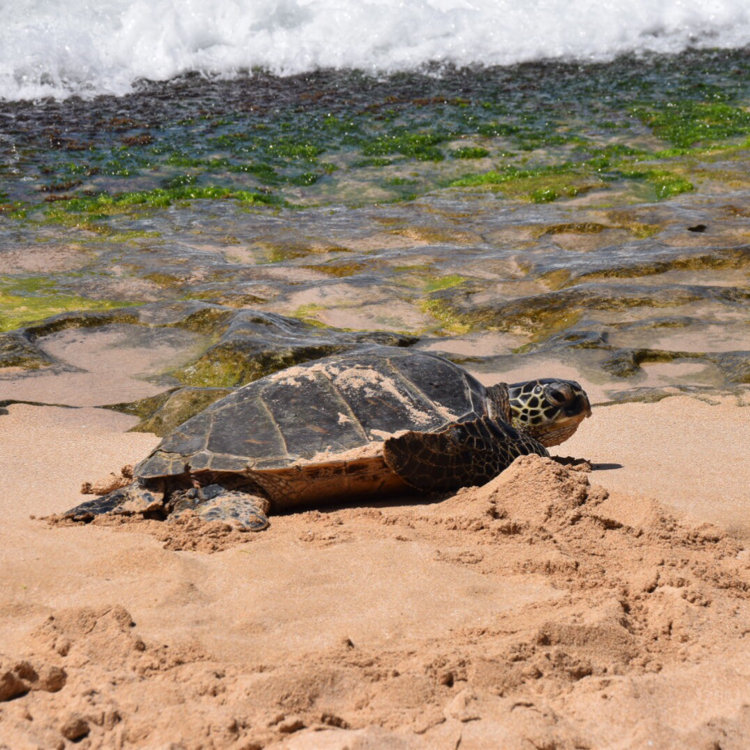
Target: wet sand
[[550, 608]]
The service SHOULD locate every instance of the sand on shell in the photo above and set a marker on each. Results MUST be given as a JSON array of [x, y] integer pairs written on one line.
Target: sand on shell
[[549, 608]]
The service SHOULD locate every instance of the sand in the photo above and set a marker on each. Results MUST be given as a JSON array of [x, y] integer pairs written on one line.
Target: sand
[[552, 608]]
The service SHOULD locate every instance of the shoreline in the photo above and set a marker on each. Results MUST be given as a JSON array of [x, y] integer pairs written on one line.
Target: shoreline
[[430, 596]]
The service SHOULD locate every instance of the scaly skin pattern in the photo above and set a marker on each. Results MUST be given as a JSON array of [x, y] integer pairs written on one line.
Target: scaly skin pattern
[[467, 453]]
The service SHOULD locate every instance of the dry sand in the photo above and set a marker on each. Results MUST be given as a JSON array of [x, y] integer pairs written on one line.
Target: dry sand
[[549, 609]]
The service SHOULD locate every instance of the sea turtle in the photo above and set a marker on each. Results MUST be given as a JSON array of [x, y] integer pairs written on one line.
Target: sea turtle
[[378, 420]]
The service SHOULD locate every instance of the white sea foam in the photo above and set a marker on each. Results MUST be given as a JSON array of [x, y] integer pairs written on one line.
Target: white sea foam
[[48, 47]]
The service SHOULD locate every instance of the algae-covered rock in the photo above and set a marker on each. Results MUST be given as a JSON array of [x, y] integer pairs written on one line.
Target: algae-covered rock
[[579, 339], [626, 362], [160, 414], [257, 343], [542, 315], [17, 350], [622, 363], [239, 361], [80, 319], [735, 366]]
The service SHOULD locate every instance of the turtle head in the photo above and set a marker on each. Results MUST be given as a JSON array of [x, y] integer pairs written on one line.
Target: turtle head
[[548, 409]]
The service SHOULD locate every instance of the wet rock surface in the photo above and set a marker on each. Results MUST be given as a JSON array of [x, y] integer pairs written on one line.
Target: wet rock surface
[[610, 310]]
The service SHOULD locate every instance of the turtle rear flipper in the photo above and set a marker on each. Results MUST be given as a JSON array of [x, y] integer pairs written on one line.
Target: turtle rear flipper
[[134, 498], [213, 502], [464, 453]]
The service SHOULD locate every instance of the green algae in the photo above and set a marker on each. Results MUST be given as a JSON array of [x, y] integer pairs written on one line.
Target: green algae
[[237, 363], [14, 209], [27, 299], [339, 270], [569, 179], [585, 227], [308, 314], [665, 184], [421, 146], [265, 173], [590, 123], [450, 321], [542, 185], [208, 321], [227, 298], [160, 414], [444, 282], [539, 323], [469, 152], [372, 162], [500, 177], [165, 280], [306, 178], [547, 194], [82, 319], [686, 124], [556, 279], [279, 252], [625, 220], [106, 203]]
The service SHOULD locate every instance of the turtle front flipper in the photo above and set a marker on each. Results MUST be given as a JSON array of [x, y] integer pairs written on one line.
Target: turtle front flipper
[[134, 498], [462, 454], [213, 502]]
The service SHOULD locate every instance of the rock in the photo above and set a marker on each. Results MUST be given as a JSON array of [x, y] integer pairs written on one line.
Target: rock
[[75, 728]]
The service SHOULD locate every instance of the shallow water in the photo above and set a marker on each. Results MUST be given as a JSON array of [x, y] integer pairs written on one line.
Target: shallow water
[[591, 215]]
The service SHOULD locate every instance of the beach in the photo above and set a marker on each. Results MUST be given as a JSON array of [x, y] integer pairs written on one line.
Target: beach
[[193, 198], [553, 607]]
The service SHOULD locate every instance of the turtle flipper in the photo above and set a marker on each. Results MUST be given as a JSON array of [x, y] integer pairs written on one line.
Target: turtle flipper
[[462, 454], [216, 503], [134, 498]]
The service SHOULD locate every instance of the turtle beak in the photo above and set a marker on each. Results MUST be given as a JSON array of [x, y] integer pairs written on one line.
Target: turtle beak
[[577, 409], [580, 405]]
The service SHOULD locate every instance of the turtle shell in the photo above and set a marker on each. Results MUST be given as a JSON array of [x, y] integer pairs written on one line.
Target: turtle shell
[[323, 407]]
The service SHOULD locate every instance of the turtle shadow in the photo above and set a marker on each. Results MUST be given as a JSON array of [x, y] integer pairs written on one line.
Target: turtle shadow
[[393, 501], [578, 463]]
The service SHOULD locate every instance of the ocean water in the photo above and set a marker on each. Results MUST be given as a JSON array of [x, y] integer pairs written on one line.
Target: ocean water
[[90, 47]]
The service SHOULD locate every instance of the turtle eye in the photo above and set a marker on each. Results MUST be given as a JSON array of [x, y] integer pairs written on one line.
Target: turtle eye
[[556, 396]]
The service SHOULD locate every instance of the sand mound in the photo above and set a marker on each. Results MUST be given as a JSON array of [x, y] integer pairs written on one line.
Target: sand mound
[[629, 603]]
